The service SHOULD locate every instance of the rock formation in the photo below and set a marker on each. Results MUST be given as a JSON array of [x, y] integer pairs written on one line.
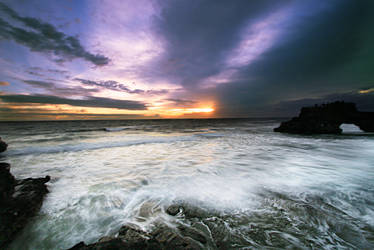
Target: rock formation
[[130, 238], [3, 145], [20, 200], [203, 233], [327, 118]]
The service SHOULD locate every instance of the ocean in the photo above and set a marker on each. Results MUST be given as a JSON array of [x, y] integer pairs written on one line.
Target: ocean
[[269, 189]]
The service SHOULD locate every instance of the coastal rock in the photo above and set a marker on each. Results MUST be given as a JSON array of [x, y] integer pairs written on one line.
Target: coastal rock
[[3, 146], [173, 209], [20, 201], [205, 231], [327, 118], [189, 210], [129, 238]]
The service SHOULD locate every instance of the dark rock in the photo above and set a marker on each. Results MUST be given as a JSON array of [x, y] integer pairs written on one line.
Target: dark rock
[[173, 209], [193, 234], [162, 237], [80, 245], [327, 118], [202, 233], [220, 233], [3, 145], [7, 182], [189, 210], [20, 201]]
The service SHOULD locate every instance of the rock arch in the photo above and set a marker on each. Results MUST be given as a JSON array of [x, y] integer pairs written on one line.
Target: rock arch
[[327, 118]]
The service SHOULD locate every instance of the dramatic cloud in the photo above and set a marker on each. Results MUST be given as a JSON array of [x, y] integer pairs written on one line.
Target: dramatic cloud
[[181, 102], [116, 86], [88, 102], [241, 58], [324, 51], [199, 34], [52, 88], [45, 38], [2, 83], [37, 71], [291, 108]]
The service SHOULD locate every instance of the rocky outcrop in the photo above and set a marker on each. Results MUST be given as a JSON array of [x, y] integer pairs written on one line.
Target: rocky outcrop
[[327, 118], [3, 146], [201, 232], [161, 238], [20, 200]]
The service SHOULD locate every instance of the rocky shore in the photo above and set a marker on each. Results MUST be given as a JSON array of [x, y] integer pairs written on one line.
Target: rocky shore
[[327, 118], [20, 200], [204, 230]]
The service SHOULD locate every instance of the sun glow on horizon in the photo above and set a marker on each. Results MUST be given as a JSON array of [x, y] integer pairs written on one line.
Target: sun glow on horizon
[[193, 110]]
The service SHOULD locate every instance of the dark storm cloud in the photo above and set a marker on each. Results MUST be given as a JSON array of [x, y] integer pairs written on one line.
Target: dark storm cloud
[[116, 86], [44, 37], [88, 102], [365, 102], [182, 102], [322, 53], [198, 34], [318, 44], [323, 47], [61, 91]]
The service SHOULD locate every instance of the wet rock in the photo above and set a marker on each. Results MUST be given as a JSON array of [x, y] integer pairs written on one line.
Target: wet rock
[[195, 228], [148, 209], [220, 234], [193, 234], [190, 210], [163, 237], [327, 118], [113, 244], [7, 182], [174, 209], [105, 239], [20, 201], [3, 146], [80, 245]]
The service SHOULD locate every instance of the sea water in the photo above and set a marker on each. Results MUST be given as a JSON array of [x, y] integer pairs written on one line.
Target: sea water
[[274, 190]]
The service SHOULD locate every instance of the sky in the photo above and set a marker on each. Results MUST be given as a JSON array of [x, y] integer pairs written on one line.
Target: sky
[[150, 59]]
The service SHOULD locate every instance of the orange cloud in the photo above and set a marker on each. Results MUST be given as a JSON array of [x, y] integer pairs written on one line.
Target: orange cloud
[[3, 83]]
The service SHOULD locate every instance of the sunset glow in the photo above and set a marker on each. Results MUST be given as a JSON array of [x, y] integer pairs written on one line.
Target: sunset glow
[[103, 59], [193, 110], [186, 124]]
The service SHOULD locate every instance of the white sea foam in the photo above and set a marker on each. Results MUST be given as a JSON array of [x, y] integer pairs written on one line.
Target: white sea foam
[[93, 146], [115, 129], [252, 176]]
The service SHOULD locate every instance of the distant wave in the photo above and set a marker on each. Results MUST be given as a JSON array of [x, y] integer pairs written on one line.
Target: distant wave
[[92, 146], [211, 135], [115, 129], [85, 130]]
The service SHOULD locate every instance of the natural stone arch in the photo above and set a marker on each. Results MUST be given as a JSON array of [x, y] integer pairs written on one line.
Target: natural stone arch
[[327, 118]]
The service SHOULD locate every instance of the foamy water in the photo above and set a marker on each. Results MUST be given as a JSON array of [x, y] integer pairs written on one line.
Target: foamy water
[[301, 191]]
